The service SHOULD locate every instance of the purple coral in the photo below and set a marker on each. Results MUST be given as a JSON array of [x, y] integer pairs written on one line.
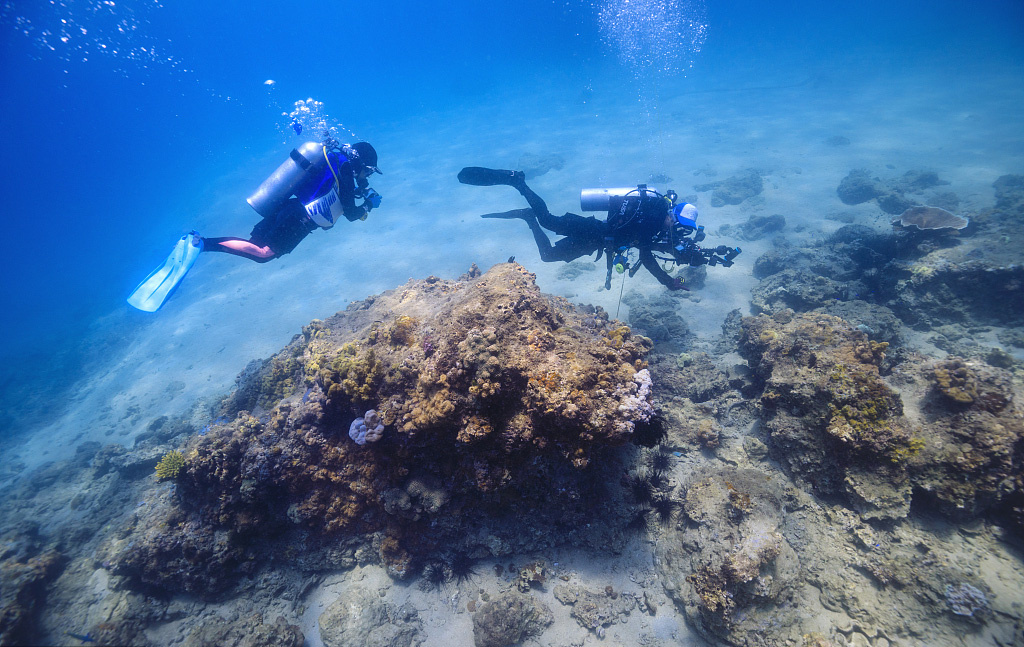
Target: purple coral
[[368, 429]]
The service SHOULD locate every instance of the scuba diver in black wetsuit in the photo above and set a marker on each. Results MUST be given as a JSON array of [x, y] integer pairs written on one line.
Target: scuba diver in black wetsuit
[[655, 224], [325, 179]]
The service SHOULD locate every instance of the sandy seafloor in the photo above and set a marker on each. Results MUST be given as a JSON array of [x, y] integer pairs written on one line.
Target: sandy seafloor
[[963, 126]]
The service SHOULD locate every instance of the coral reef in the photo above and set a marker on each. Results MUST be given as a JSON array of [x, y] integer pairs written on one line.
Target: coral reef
[[534, 166], [931, 218], [858, 186], [973, 457], [837, 426], [22, 590], [515, 391], [508, 619], [757, 227], [965, 600], [829, 417], [595, 610], [367, 429], [657, 317], [729, 569]]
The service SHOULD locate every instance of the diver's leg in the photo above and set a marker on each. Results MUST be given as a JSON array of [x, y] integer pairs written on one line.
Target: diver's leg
[[566, 249], [239, 247], [544, 246], [480, 176], [540, 208]]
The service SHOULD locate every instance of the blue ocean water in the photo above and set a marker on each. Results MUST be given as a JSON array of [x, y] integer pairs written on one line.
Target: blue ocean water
[[127, 123]]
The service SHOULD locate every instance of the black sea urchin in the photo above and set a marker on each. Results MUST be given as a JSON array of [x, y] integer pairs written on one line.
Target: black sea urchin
[[638, 521], [650, 434], [660, 462], [664, 508], [434, 576], [640, 487], [462, 567]]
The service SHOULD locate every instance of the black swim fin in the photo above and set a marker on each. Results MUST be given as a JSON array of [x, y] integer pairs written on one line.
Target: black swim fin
[[525, 214], [480, 176]]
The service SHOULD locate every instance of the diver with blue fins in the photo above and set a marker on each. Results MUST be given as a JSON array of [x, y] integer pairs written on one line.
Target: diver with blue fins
[[657, 225], [313, 189]]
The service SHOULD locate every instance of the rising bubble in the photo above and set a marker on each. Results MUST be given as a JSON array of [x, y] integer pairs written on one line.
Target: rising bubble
[[654, 37], [309, 120]]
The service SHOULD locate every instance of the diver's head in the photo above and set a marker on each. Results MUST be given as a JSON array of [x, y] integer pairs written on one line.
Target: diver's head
[[364, 156], [685, 215]]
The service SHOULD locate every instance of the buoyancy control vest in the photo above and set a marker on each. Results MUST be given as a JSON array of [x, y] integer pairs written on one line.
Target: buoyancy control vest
[[305, 166]]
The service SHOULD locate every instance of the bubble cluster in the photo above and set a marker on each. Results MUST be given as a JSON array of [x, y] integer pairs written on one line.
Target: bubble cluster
[[309, 120], [654, 36], [83, 30]]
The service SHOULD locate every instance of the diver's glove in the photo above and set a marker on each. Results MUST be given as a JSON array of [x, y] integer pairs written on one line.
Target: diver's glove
[[372, 199]]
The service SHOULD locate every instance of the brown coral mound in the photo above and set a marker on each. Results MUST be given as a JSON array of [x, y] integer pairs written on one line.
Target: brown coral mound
[[729, 568], [484, 385], [831, 420], [974, 458], [835, 424]]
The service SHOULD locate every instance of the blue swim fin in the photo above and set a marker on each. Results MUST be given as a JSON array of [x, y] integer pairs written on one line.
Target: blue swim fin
[[158, 286]]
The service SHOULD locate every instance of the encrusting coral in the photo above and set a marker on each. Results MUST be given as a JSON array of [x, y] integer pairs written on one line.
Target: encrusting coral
[[487, 390]]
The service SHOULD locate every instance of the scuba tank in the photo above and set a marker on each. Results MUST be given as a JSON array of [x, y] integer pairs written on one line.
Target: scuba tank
[[268, 198], [606, 199]]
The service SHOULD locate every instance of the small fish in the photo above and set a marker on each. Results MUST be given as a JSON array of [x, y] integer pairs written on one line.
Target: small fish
[[297, 127], [86, 638], [511, 259]]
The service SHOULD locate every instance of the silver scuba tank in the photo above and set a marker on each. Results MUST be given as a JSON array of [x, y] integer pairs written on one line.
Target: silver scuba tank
[[601, 199], [268, 198]]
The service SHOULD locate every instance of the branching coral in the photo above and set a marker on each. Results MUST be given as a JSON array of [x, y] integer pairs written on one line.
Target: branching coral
[[170, 466]]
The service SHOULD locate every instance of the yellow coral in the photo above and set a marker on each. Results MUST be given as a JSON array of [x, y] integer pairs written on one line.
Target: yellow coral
[[956, 382], [401, 332], [170, 465], [921, 272], [353, 374], [618, 336]]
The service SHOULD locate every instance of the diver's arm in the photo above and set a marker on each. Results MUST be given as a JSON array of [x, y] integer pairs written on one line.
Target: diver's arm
[[347, 194], [652, 266]]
